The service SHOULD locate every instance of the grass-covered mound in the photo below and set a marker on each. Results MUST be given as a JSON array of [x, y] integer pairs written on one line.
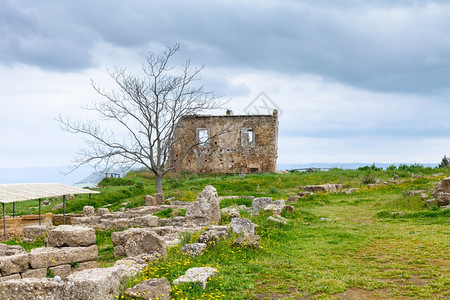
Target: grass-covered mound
[[374, 243]]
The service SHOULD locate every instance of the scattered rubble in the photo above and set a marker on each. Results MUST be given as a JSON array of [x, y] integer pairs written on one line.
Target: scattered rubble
[[156, 288], [198, 275], [205, 210], [136, 241], [194, 249]]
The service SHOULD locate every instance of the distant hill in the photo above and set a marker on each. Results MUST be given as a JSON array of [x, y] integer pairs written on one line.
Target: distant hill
[[44, 175], [91, 181], [344, 165]]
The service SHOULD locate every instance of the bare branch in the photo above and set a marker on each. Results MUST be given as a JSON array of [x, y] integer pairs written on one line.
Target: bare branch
[[136, 122]]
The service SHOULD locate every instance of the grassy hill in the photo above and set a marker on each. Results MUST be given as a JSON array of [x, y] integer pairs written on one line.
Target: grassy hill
[[373, 244]]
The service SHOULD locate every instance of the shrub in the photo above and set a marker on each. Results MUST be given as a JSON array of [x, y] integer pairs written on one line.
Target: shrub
[[370, 168], [444, 163], [369, 179]]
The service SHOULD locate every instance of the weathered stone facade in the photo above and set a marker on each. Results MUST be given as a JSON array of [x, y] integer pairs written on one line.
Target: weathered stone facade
[[226, 144]]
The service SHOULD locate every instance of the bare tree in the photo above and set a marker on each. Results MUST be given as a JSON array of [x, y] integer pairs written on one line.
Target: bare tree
[[147, 108]]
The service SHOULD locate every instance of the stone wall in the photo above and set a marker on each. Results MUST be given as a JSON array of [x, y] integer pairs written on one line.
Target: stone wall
[[70, 249], [245, 143], [15, 225]]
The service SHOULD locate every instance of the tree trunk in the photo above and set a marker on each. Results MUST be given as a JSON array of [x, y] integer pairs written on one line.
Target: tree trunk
[[158, 183]]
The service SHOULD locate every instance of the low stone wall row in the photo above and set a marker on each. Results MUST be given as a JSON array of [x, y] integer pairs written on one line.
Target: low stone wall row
[[69, 249], [140, 217], [15, 225]]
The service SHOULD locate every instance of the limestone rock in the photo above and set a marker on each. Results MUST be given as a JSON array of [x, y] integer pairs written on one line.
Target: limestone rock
[[13, 259], [88, 211], [159, 198], [304, 194], [430, 202], [6, 250], [231, 212], [10, 277], [413, 192], [276, 209], [445, 185], [71, 236], [49, 256], [260, 203], [437, 189], [293, 198], [150, 200], [62, 271], [147, 221], [199, 275], [35, 231], [205, 210], [289, 208], [94, 284], [194, 249], [14, 263], [213, 234], [249, 240], [328, 188], [34, 273], [443, 199], [85, 265], [156, 288], [58, 206], [136, 241], [31, 288], [242, 226], [277, 219], [101, 211]]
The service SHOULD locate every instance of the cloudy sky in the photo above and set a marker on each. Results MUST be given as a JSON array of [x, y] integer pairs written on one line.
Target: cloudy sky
[[355, 80]]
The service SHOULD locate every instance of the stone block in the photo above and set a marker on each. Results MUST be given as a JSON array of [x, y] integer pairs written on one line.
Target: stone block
[[156, 288], [205, 210], [213, 234], [242, 226], [150, 200], [198, 275], [249, 240], [48, 256], [194, 249], [445, 185], [276, 209], [231, 212], [94, 284], [85, 266], [88, 211], [136, 241], [31, 288], [6, 250], [159, 198], [86, 221], [102, 211], [10, 277], [443, 199], [35, 231], [15, 263], [260, 203], [34, 273], [62, 271], [147, 221], [71, 236]]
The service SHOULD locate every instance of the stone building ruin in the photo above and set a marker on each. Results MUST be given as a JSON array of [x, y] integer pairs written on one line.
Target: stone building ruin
[[226, 144]]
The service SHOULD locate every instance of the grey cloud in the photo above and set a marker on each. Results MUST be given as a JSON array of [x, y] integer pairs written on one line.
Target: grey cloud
[[374, 45]]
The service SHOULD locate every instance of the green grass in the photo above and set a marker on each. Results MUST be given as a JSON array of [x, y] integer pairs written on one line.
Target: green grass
[[363, 250]]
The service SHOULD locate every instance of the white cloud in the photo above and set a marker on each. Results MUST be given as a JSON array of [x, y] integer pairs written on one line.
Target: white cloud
[[355, 80]]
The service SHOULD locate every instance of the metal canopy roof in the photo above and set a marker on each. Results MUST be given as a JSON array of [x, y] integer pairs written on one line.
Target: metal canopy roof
[[29, 191]]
